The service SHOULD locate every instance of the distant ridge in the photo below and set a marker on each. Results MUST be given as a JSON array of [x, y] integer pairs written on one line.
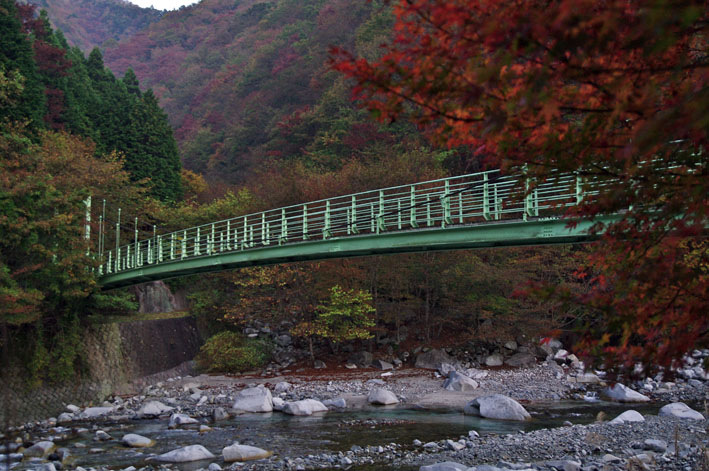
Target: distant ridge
[[90, 23]]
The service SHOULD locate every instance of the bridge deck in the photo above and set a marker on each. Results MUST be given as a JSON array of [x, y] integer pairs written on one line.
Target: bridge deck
[[470, 236]]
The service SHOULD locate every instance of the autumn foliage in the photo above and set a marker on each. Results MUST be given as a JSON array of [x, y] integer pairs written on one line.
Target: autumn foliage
[[615, 91]]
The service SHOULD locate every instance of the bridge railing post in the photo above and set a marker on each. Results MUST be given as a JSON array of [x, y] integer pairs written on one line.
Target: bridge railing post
[[305, 222], [381, 224], [326, 231], [284, 228], [398, 213], [353, 218], [446, 205], [429, 220], [486, 197], [412, 215], [579, 189]]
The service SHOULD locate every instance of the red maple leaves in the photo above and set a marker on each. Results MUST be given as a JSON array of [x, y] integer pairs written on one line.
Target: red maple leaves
[[615, 91]]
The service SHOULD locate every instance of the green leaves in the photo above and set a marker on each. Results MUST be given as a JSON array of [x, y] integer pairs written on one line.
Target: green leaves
[[345, 316]]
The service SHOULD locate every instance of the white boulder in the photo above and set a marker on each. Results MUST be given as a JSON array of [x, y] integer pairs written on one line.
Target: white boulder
[[181, 419], [628, 416], [40, 449], [497, 406], [382, 396], [681, 411], [283, 386], [257, 399], [459, 382], [304, 407], [445, 466], [186, 454], [278, 403], [91, 412], [238, 452], [134, 440], [154, 408], [495, 359], [622, 393], [335, 403]]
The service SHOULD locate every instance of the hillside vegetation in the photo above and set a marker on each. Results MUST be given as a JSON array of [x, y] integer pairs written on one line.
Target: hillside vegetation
[[247, 82], [91, 23]]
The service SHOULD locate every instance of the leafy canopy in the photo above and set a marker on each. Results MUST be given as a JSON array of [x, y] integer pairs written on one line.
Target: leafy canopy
[[616, 91]]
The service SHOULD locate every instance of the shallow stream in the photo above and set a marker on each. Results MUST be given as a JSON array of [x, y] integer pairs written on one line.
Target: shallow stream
[[290, 436]]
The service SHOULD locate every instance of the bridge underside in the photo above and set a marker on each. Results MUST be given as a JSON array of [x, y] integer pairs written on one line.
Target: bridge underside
[[501, 234]]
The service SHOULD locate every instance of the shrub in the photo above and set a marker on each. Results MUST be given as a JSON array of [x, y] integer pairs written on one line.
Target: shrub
[[230, 352]]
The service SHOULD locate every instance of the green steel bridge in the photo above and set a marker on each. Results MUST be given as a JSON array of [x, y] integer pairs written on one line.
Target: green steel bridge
[[485, 209]]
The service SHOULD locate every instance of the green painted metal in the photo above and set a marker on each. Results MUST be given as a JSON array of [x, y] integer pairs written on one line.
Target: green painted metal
[[469, 211]]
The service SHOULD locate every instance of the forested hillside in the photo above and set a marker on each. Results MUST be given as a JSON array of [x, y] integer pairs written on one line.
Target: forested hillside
[[247, 82], [90, 23], [70, 131]]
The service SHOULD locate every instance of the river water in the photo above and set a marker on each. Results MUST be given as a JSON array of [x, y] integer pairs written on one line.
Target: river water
[[290, 436]]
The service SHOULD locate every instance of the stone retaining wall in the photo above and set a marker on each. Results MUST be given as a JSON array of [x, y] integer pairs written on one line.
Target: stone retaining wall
[[119, 357]]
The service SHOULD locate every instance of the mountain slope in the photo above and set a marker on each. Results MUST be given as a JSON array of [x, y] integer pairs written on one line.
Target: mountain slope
[[246, 81], [90, 23]]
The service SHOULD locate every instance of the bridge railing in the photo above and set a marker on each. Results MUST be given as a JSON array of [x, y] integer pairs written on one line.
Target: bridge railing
[[483, 197]]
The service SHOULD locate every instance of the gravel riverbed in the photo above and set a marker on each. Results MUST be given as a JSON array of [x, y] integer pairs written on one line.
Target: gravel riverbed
[[657, 443]]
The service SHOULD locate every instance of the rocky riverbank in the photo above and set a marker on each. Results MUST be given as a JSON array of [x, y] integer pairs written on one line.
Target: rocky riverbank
[[203, 404]]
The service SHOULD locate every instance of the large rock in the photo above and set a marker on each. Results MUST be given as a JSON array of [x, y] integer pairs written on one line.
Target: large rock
[[238, 452], [433, 359], [459, 382], [335, 403], [628, 416], [304, 407], [134, 440], [681, 411], [186, 454], [154, 408], [382, 365], [445, 466], [521, 359], [278, 403], [495, 359], [622, 393], [91, 412], [497, 406], [361, 359], [40, 449], [282, 387], [382, 396], [154, 297], [181, 419], [257, 399]]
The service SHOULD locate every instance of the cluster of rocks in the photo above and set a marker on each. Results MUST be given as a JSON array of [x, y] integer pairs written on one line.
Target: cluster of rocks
[[636, 442], [629, 441]]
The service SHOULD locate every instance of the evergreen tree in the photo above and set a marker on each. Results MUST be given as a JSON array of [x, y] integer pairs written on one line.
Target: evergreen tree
[[16, 55], [131, 83], [153, 151]]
